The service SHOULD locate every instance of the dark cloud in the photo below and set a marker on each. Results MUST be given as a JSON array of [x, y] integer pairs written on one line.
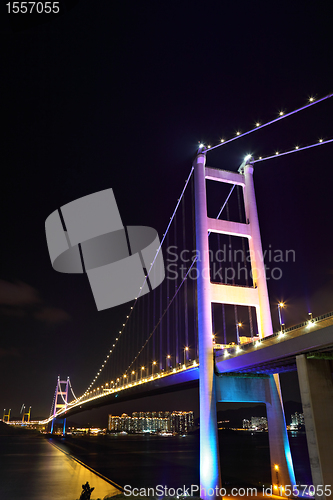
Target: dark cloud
[[17, 294], [51, 315], [19, 299]]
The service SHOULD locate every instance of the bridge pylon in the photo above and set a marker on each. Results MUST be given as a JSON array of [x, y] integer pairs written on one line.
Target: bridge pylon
[[26, 414], [63, 393], [6, 415], [255, 296]]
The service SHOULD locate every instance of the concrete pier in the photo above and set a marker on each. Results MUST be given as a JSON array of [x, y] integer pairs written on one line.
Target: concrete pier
[[316, 387], [258, 389]]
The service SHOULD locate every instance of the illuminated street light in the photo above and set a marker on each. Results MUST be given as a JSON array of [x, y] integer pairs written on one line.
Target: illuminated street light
[[185, 350], [280, 306], [166, 362], [142, 368], [311, 321], [152, 368], [238, 326]]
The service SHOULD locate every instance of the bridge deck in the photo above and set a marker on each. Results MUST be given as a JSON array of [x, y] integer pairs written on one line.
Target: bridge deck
[[277, 353], [172, 382], [273, 354]]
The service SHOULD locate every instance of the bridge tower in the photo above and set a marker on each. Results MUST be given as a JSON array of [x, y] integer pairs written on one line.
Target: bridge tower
[[26, 414], [256, 296], [6, 415], [63, 393]]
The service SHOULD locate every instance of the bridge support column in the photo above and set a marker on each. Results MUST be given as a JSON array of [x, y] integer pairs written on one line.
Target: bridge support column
[[209, 449], [316, 387], [263, 389], [282, 470]]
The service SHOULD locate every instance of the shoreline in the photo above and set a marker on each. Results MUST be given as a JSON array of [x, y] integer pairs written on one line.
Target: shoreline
[[35, 469]]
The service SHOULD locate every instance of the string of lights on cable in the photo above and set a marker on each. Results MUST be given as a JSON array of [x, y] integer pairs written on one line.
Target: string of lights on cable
[[258, 126], [320, 142], [141, 288]]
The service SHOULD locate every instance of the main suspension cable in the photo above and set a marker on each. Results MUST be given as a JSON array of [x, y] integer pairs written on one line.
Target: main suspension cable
[[281, 116]]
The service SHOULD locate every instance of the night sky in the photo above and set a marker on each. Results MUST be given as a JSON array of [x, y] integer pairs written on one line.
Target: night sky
[[118, 94]]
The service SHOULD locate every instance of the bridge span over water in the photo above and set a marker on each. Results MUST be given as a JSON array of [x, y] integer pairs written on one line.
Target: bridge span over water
[[170, 343], [274, 354]]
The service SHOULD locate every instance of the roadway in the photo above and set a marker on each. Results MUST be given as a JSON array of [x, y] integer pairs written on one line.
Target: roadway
[[277, 353]]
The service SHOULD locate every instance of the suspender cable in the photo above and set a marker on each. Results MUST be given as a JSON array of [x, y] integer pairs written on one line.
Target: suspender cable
[[233, 277], [224, 325], [185, 284], [168, 312], [194, 294], [154, 306], [222, 305], [165, 312], [148, 330], [143, 335], [176, 332], [161, 331]]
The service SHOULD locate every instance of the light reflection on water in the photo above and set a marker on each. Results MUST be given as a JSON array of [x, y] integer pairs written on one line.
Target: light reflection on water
[[33, 469], [150, 460], [139, 460]]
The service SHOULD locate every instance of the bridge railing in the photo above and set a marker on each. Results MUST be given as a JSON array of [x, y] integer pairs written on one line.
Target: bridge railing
[[313, 320], [157, 375], [238, 349]]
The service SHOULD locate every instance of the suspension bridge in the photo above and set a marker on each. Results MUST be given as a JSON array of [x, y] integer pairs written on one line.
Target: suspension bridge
[[209, 322]]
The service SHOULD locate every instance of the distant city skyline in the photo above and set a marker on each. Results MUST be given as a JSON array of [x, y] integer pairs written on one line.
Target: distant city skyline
[[162, 421], [256, 423]]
